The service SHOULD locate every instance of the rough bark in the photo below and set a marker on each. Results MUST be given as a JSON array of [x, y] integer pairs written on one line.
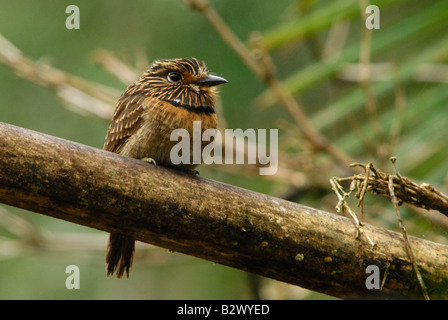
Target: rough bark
[[258, 233]]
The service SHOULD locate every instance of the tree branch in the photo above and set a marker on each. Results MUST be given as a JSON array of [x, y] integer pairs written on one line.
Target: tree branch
[[211, 220]]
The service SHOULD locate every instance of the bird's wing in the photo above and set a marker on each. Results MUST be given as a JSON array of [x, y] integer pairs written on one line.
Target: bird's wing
[[127, 119]]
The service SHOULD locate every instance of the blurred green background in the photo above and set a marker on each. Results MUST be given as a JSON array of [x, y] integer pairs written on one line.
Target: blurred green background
[[315, 46]]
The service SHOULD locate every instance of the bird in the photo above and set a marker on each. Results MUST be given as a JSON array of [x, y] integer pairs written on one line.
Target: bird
[[171, 94]]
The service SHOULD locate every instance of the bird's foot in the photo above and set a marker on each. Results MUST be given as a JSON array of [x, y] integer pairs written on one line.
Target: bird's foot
[[192, 171], [149, 160]]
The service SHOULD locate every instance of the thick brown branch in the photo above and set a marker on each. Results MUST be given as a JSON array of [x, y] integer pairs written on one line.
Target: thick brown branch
[[210, 220]]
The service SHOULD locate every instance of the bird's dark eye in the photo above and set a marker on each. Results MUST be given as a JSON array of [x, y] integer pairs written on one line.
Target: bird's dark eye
[[174, 77]]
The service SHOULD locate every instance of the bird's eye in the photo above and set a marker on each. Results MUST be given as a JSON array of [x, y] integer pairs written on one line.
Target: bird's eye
[[174, 77]]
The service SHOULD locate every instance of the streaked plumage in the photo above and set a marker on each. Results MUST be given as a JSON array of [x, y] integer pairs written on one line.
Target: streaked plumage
[[170, 95]]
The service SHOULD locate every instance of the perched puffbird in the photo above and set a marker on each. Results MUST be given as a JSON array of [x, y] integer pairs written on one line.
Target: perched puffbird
[[170, 95]]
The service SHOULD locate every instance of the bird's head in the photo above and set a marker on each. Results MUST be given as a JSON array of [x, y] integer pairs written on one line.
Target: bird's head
[[181, 82]]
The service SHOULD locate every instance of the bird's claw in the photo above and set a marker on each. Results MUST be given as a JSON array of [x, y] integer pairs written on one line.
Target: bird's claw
[[149, 160], [192, 172]]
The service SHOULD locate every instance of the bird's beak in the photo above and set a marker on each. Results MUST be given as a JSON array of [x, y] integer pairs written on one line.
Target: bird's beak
[[211, 81]]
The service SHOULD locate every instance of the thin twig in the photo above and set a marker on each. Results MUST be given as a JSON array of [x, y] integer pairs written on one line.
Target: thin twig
[[385, 71], [204, 7], [115, 66], [405, 235], [80, 95], [342, 206], [364, 81], [422, 196], [400, 106]]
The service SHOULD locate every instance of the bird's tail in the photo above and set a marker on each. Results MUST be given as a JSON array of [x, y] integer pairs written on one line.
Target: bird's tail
[[119, 255]]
